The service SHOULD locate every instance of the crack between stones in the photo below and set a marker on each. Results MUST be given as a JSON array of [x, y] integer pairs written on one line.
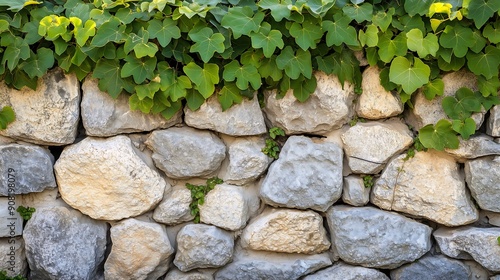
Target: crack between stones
[[375, 162]]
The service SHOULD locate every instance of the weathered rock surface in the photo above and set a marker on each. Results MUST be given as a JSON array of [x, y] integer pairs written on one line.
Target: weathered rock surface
[[477, 272], [174, 208], [355, 193], [49, 198], [26, 169], [185, 152], [47, 116], [308, 174], [108, 179], [368, 146], [246, 160], [203, 246], [13, 257], [428, 185], [493, 124], [376, 102], [343, 271], [496, 277], [176, 274], [476, 146], [375, 238], [10, 219], [493, 218], [433, 268], [329, 107], [64, 244], [468, 242], [286, 231], [242, 119], [483, 179], [141, 250], [104, 116], [226, 207]]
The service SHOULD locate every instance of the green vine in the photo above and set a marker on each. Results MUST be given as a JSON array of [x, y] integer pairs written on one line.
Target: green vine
[[3, 276], [272, 148], [25, 212], [198, 193]]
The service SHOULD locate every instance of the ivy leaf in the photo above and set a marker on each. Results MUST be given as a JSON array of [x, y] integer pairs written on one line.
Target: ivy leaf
[[423, 46], [110, 31], [147, 90], [164, 31], [433, 88], [229, 95], [346, 68], [207, 43], [306, 34], [194, 99], [486, 63], [369, 37], [462, 105], [144, 105], [14, 52], [140, 68], [7, 116], [481, 10], [107, 71], [242, 21], [319, 8], [479, 42], [409, 77], [204, 78], [51, 27], [383, 19], [141, 45], [388, 47], [17, 5], [420, 7], [488, 101], [493, 34], [439, 136], [455, 63], [82, 32], [466, 127], [302, 88], [243, 74], [295, 64], [279, 8], [488, 87], [359, 13], [268, 41], [458, 38], [172, 110], [339, 31], [269, 69], [178, 89], [37, 65]]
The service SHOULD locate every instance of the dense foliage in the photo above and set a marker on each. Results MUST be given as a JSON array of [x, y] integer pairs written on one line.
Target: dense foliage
[[166, 52]]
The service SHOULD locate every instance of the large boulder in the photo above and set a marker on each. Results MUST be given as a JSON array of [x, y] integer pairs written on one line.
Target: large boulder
[[108, 179], [433, 268], [483, 179], [344, 271]]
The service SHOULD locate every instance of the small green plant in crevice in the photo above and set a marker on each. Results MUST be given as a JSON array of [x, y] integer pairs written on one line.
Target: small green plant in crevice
[[272, 148], [498, 239], [25, 212], [355, 120], [198, 193], [417, 146], [3, 276], [367, 181]]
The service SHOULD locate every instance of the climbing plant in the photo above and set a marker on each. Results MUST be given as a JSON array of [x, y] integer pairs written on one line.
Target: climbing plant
[[166, 53]]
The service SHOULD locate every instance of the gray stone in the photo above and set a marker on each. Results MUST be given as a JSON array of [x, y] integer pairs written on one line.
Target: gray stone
[[308, 174], [176, 274], [493, 124], [203, 246], [13, 257], [141, 250], [477, 271], [104, 116], [343, 271], [174, 208], [493, 218], [10, 219], [368, 146], [496, 277], [185, 152], [468, 242], [286, 231], [108, 179], [329, 107], [63, 244], [483, 179], [476, 146], [428, 185], [25, 169], [375, 102], [234, 214], [242, 119], [246, 160], [375, 238], [47, 116], [432, 268], [355, 193]]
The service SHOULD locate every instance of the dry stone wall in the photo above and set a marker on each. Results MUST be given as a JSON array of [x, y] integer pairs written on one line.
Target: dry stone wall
[[109, 188]]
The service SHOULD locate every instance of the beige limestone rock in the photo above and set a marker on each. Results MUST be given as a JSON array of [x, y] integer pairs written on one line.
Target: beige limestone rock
[[47, 116], [108, 179], [493, 125], [429, 185], [49, 198], [174, 208], [286, 231]]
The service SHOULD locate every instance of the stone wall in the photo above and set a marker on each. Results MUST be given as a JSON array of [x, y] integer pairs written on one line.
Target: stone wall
[[111, 198]]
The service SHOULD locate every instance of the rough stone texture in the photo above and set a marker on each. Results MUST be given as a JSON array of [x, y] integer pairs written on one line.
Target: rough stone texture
[[308, 174], [10, 220], [343, 271], [493, 218], [47, 116], [186, 152], [246, 160], [286, 231], [432, 268], [476, 146], [64, 244], [496, 277], [477, 271], [483, 179], [375, 238], [368, 146], [240, 120], [47, 199], [493, 124], [108, 179], [376, 102], [141, 250], [234, 213], [429, 185], [174, 208], [31, 169], [355, 193], [468, 242], [203, 246], [13, 257], [176, 274], [329, 107], [104, 116]]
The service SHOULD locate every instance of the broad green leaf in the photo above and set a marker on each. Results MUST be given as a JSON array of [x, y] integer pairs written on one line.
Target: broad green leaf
[[479, 42], [7, 116], [243, 74], [423, 46], [488, 87], [439, 136], [14, 52], [458, 38], [493, 34], [482, 10], [140, 68], [486, 63], [383, 19], [433, 88], [359, 13], [269, 69], [16, 5], [164, 31], [346, 68], [4, 25], [242, 21], [385, 81], [319, 8], [420, 7], [462, 105], [110, 80], [295, 64], [455, 63], [147, 90], [279, 8], [339, 31], [267, 41], [31, 31], [51, 27], [369, 37], [172, 110], [487, 101], [204, 78], [465, 128], [252, 57], [306, 34], [440, 8], [110, 31], [82, 32], [410, 77], [325, 64], [388, 47], [37, 65], [207, 43], [178, 89], [229, 95], [303, 88], [194, 99], [144, 105]]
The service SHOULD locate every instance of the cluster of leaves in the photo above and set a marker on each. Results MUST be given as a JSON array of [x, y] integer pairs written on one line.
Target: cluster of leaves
[[198, 193], [25, 212], [367, 181], [4, 276], [416, 147], [272, 148]]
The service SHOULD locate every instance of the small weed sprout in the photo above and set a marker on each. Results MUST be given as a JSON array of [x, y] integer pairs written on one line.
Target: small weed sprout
[[272, 148], [367, 181], [25, 212], [198, 193]]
